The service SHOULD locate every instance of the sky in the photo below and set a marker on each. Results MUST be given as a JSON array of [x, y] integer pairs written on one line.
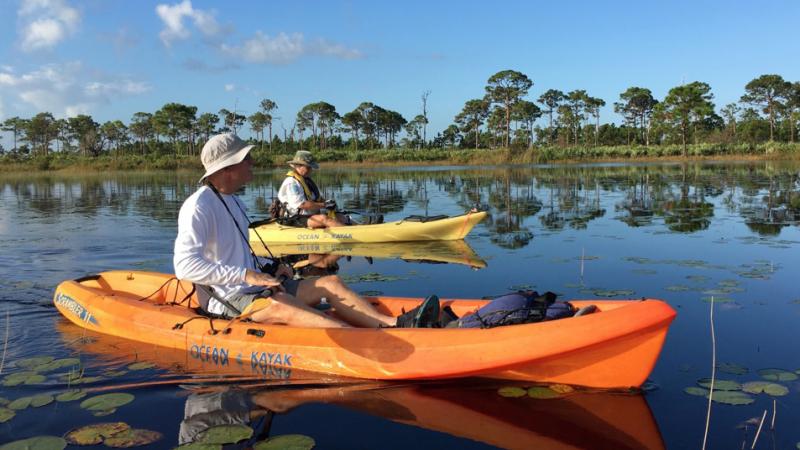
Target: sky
[[111, 59]]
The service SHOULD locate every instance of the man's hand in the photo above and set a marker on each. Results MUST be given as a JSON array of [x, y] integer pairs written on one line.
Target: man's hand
[[254, 278], [284, 272]]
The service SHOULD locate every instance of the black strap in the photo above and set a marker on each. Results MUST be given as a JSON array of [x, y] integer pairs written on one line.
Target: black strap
[[239, 229]]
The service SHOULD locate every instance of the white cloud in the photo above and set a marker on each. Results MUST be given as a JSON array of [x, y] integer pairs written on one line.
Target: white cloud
[[284, 48], [65, 89], [229, 87], [173, 17], [45, 23]]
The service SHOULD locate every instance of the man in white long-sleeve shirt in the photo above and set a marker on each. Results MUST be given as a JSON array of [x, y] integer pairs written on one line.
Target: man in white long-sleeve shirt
[[212, 249]]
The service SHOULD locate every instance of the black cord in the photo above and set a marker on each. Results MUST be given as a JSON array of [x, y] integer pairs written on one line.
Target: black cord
[[239, 229]]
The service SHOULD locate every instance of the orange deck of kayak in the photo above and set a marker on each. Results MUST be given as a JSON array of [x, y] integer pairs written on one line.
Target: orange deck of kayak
[[616, 347]]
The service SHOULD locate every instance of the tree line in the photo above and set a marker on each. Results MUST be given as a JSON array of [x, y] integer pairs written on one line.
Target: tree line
[[504, 117]]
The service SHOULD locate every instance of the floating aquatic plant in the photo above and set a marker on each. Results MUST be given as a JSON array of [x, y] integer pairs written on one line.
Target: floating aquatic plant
[[370, 293], [6, 414], [26, 377], [57, 364], [720, 385], [96, 433], [41, 400], [30, 363], [286, 442], [542, 392], [199, 446], [717, 299], [75, 394], [613, 292], [767, 387], [732, 368], [132, 438], [697, 391], [106, 402], [226, 434], [677, 288], [142, 365], [20, 403], [777, 375], [732, 398], [36, 443], [512, 392]]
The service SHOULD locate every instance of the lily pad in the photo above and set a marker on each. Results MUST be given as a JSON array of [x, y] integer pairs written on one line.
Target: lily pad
[[732, 398], [86, 380], [370, 293], [114, 373], [30, 363], [542, 392], [733, 369], [96, 433], [104, 412], [769, 388], [20, 403], [521, 287], [720, 385], [698, 391], [4, 401], [26, 377], [562, 388], [777, 375], [106, 402], [717, 299], [226, 434], [6, 414], [697, 278], [75, 394], [613, 292], [142, 365], [57, 364], [40, 400], [36, 443], [287, 442], [199, 446], [677, 288], [512, 392], [132, 438]]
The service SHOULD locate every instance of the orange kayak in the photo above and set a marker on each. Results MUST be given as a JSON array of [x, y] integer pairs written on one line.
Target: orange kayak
[[615, 347], [471, 409]]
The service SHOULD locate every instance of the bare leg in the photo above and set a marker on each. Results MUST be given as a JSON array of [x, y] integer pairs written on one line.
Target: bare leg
[[347, 304], [323, 221], [287, 310]]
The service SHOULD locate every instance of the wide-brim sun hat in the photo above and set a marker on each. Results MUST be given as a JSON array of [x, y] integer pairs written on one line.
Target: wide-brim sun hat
[[221, 151], [303, 158]]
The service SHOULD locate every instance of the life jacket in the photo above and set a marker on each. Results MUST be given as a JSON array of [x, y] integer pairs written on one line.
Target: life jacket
[[309, 187]]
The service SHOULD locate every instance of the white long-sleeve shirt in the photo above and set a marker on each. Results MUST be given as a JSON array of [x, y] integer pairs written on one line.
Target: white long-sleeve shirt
[[209, 250], [292, 194]]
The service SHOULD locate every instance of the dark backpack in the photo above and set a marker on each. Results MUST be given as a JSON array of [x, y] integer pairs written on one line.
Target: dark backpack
[[516, 308]]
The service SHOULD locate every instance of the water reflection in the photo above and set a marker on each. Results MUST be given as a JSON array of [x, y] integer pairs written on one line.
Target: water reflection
[[472, 410], [451, 252], [675, 197]]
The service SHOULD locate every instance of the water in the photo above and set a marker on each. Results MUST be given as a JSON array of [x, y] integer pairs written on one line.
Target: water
[[683, 233]]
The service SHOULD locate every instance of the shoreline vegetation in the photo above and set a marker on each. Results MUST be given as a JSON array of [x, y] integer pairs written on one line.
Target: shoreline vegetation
[[66, 163], [501, 127]]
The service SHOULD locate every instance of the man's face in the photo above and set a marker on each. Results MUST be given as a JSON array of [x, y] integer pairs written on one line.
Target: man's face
[[242, 173]]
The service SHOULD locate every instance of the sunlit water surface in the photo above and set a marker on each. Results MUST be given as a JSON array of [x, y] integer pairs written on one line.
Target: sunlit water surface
[[683, 233]]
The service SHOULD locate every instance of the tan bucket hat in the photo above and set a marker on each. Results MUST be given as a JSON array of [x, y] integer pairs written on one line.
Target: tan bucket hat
[[221, 151], [304, 158]]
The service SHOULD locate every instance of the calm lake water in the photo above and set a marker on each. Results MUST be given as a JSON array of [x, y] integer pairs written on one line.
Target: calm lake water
[[685, 233]]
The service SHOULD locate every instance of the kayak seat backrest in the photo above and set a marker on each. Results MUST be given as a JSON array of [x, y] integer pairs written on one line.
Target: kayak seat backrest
[[204, 294], [423, 219]]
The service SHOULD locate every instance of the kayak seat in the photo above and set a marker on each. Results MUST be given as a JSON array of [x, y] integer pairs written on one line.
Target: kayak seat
[[423, 219]]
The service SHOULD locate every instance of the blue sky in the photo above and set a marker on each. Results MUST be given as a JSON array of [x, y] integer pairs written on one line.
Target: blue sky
[[111, 59]]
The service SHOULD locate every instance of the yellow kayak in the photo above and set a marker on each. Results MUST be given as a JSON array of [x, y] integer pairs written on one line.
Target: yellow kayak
[[439, 229], [451, 252]]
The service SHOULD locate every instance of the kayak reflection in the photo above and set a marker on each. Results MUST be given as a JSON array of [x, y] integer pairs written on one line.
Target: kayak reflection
[[451, 252], [579, 420], [471, 409]]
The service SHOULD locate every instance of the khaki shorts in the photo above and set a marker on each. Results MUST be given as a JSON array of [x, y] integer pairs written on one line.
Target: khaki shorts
[[257, 300]]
